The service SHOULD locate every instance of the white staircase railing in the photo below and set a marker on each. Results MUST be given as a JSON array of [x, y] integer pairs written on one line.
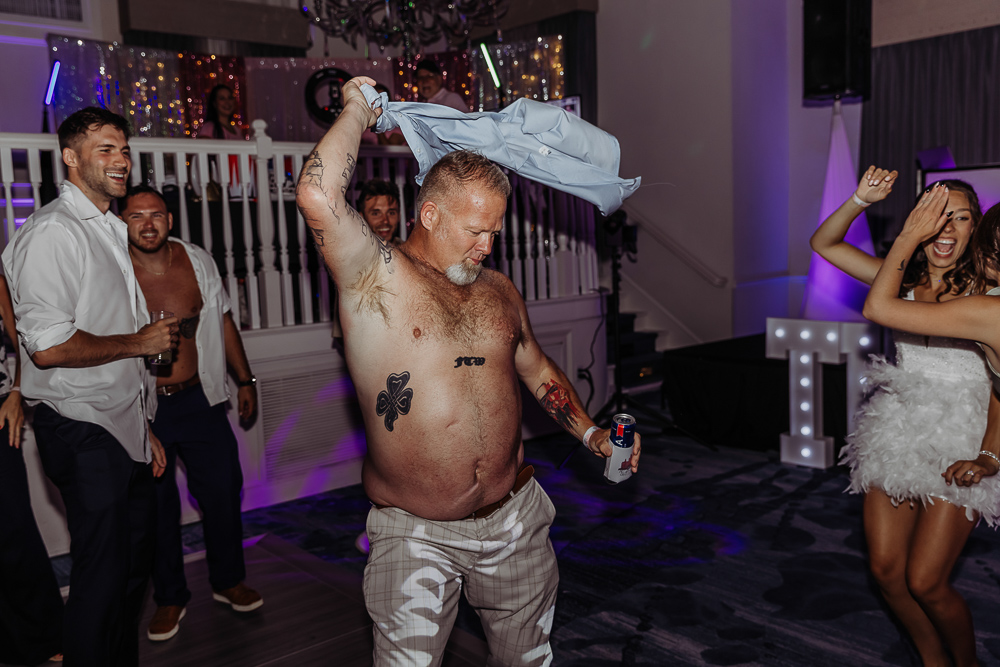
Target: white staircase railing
[[260, 243]]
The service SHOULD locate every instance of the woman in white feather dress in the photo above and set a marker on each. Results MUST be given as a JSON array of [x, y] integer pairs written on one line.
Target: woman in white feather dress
[[923, 423]]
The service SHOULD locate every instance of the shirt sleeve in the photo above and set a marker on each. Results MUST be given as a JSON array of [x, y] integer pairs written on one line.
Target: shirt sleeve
[[48, 270], [212, 289]]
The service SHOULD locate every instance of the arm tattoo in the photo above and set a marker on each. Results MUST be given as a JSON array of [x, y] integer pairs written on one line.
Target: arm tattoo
[[317, 235], [395, 400], [470, 361], [902, 266], [189, 326], [349, 169], [312, 171], [555, 400]]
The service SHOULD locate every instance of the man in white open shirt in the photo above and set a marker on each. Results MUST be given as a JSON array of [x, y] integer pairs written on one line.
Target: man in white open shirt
[[191, 420], [84, 339]]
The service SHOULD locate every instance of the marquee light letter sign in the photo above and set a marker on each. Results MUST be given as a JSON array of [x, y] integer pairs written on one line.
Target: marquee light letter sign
[[806, 343]]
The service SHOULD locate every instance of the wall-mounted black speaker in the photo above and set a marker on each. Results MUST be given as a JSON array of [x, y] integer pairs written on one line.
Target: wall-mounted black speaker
[[837, 45]]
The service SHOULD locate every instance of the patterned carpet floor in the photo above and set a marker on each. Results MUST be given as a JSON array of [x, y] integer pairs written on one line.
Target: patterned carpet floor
[[705, 557]]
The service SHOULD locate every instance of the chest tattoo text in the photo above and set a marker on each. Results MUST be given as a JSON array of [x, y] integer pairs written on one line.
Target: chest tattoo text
[[469, 361]]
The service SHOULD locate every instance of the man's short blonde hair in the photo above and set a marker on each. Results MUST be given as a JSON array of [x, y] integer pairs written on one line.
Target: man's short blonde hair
[[458, 170]]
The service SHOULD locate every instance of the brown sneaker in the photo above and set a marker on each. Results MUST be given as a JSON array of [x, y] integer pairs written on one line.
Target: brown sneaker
[[240, 597], [166, 622]]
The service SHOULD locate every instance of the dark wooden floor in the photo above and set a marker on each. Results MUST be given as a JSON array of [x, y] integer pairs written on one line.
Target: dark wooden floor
[[313, 614]]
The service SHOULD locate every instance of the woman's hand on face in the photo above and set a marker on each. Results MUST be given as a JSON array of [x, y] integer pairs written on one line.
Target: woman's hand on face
[[928, 216], [876, 184]]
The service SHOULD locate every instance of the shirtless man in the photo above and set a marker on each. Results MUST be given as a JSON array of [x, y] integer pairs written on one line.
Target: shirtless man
[[191, 420], [436, 346]]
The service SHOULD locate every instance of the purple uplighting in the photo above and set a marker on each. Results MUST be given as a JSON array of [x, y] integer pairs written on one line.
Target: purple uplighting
[[831, 294], [342, 388]]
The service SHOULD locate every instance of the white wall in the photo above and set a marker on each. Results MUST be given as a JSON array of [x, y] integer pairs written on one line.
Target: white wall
[[663, 78], [707, 97]]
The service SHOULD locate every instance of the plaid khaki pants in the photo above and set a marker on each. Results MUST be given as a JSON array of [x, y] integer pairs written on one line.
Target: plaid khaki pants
[[417, 568]]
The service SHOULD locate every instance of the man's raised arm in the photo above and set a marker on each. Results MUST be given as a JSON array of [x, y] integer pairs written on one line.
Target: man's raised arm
[[347, 242]]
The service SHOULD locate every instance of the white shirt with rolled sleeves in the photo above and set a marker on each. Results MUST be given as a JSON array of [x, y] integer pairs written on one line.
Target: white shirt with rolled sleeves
[[68, 269]]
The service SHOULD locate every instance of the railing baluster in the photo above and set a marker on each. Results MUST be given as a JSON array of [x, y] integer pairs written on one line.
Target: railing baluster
[[589, 228], [305, 278], [572, 231], [159, 171], [541, 266], [287, 295], [530, 276], [35, 178], [227, 237], [552, 271], [201, 161], [516, 264], [180, 170], [250, 282], [547, 248]]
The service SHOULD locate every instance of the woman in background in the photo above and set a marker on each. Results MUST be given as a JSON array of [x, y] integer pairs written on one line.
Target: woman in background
[[219, 110], [924, 419]]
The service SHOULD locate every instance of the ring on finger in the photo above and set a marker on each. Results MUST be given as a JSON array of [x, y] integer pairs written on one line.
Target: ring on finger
[[969, 472]]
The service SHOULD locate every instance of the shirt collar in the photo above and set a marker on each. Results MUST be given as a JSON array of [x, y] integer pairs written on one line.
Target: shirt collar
[[85, 208]]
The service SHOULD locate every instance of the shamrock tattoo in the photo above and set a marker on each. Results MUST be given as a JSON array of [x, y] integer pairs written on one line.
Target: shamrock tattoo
[[395, 400]]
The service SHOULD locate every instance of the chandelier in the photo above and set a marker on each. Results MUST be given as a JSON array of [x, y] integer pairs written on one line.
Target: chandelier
[[411, 24]]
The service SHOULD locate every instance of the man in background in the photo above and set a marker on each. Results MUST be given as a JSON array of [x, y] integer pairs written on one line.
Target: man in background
[[191, 420], [430, 86], [378, 203]]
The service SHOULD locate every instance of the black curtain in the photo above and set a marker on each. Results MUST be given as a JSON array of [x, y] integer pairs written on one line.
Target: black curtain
[[943, 91]]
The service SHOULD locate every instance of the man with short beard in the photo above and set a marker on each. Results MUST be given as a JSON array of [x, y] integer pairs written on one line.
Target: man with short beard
[[191, 422], [436, 346], [81, 323]]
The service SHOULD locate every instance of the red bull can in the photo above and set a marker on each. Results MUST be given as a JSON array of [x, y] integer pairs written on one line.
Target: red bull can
[[618, 466]]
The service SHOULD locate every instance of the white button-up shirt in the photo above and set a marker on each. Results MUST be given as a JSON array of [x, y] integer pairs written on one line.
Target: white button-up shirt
[[69, 270], [210, 337]]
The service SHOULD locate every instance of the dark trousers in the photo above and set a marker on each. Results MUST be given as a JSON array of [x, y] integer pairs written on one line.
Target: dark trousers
[[31, 608], [110, 509], [201, 436]]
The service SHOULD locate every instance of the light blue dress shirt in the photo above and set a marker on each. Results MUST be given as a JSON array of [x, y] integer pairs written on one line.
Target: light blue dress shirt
[[536, 140]]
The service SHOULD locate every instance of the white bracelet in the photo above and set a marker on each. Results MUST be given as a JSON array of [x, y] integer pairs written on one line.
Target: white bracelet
[[993, 456], [859, 201], [16, 388], [590, 432]]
